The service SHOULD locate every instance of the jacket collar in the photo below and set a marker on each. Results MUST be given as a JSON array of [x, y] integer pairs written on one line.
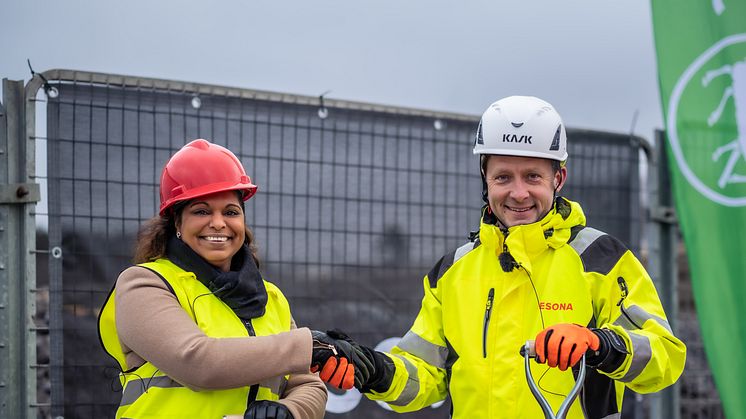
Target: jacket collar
[[526, 241]]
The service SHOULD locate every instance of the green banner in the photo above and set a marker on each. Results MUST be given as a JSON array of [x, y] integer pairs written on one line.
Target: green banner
[[701, 48]]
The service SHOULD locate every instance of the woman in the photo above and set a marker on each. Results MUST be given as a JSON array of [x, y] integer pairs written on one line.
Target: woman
[[195, 329]]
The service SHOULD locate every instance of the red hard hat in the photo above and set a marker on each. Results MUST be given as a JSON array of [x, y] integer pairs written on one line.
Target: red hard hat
[[202, 168]]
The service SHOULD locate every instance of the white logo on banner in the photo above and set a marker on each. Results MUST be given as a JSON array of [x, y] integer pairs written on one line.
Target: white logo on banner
[[718, 6], [735, 150]]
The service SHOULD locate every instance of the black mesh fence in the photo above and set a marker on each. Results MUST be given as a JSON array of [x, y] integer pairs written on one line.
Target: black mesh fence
[[355, 204]]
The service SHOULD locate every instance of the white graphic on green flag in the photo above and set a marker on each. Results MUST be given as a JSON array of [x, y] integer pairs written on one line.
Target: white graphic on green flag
[[727, 138], [737, 147], [718, 6]]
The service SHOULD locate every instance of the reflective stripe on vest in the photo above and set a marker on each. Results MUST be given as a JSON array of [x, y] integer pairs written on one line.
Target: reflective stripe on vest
[[135, 388]]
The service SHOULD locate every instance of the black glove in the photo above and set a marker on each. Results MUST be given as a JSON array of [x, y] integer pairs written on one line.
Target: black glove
[[610, 354], [337, 360], [382, 374], [363, 365], [266, 409]]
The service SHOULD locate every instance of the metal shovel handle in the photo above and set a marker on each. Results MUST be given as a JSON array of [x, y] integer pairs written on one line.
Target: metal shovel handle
[[529, 351]]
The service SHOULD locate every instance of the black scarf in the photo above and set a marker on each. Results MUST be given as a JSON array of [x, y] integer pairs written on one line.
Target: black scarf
[[241, 289]]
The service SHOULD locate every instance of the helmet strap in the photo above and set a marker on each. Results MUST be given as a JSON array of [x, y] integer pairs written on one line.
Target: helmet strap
[[554, 193]]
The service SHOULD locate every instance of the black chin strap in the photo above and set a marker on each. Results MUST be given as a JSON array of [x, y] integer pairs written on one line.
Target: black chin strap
[[556, 188], [484, 187]]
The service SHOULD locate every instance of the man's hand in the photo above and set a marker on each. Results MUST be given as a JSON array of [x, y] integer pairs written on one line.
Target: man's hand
[[338, 360], [266, 409], [562, 345], [382, 373], [363, 365]]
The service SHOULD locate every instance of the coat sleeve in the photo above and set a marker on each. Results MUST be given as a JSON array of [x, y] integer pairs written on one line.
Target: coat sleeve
[[305, 395], [153, 326], [420, 359], [626, 302]]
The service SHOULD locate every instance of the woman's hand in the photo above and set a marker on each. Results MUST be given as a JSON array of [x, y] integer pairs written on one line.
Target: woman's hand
[[266, 409]]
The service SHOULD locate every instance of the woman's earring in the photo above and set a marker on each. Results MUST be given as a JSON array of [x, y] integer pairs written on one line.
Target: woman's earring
[[178, 235]]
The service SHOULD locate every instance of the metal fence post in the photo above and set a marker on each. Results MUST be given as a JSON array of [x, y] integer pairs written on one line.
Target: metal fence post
[[17, 263], [663, 250]]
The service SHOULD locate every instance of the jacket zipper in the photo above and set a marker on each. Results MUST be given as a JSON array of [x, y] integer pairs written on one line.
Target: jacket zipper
[[625, 291], [487, 314], [320, 344], [254, 390]]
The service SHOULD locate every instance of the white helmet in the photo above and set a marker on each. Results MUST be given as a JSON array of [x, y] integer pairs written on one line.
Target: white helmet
[[522, 126]]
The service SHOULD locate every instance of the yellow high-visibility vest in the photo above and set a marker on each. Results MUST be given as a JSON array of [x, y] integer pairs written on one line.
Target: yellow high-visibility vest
[[149, 393]]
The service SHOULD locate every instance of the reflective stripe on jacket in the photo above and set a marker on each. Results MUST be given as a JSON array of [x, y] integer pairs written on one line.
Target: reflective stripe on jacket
[[475, 316], [148, 393]]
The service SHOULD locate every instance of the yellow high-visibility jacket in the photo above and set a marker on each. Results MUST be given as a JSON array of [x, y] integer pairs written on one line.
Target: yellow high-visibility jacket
[[149, 393], [564, 273]]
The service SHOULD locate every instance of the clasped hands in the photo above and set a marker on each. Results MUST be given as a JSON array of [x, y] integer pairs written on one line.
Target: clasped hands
[[340, 361]]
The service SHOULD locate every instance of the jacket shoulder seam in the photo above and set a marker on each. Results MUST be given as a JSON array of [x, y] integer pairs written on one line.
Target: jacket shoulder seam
[[445, 262], [598, 251], [165, 281]]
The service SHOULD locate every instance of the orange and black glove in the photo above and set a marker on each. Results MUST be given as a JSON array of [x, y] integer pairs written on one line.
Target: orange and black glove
[[338, 360], [562, 345], [374, 371]]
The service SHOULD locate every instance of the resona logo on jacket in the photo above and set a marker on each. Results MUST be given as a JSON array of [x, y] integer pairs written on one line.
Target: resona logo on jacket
[[555, 306], [706, 122]]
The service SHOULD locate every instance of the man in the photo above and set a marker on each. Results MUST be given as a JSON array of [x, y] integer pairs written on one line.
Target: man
[[535, 271]]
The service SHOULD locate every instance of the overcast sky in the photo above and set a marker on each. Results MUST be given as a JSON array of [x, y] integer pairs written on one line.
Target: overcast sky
[[593, 59]]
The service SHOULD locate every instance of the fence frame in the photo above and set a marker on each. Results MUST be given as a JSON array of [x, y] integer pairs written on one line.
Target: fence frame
[[18, 196], [103, 79], [663, 243]]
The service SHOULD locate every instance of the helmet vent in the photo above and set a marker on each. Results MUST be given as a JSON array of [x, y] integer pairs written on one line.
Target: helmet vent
[[556, 141], [480, 137], [517, 124]]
